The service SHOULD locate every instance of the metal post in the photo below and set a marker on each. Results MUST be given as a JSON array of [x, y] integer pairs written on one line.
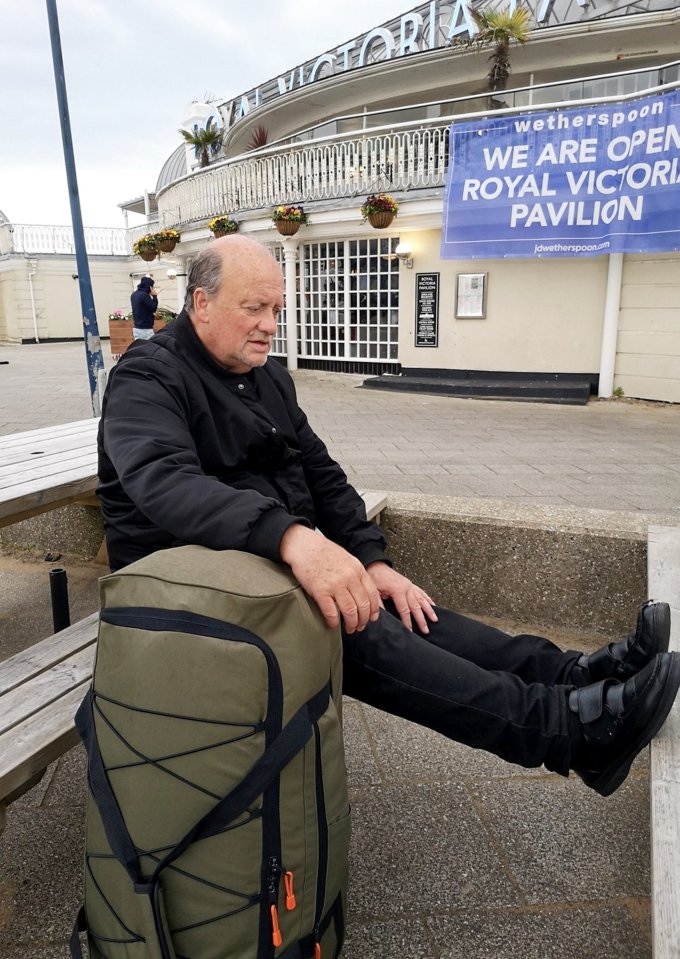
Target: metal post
[[93, 350], [61, 616]]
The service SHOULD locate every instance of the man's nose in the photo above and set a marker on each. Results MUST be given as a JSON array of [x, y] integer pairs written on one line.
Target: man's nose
[[268, 323]]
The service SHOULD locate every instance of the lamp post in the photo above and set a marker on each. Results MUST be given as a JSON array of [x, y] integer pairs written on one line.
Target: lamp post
[[93, 350]]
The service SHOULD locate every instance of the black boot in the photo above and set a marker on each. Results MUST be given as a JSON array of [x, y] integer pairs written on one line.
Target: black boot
[[617, 720], [623, 660]]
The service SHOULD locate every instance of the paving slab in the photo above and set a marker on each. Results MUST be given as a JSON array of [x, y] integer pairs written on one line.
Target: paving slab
[[454, 853]]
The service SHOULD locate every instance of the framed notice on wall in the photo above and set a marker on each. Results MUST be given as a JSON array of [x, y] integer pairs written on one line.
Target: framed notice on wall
[[471, 296], [427, 309]]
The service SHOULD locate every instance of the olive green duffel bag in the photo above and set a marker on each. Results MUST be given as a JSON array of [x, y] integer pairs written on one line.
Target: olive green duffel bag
[[218, 821]]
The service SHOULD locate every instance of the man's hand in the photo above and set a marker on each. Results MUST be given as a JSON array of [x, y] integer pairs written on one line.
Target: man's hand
[[410, 600], [332, 577]]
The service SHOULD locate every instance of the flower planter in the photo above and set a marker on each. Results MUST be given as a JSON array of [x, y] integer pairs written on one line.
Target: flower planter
[[167, 246], [120, 335], [148, 255], [380, 220], [287, 227]]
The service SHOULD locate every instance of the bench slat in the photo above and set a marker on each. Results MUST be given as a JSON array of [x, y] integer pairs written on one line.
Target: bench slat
[[50, 466], [45, 433], [375, 502], [45, 689], [38, 449], [31, 662], [38, 741]]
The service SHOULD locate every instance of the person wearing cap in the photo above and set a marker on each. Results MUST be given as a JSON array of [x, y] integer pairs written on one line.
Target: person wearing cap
[[144, 303]]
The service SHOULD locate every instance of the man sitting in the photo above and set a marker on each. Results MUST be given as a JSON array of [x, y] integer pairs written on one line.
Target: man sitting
[[202, 441]]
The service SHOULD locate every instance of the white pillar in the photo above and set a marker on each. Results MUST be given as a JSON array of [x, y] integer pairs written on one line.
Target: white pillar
[[290, 260], [181, 281], [610, 326]]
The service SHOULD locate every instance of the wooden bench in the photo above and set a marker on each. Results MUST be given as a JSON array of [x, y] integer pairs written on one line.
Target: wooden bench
[[663, 559], [40, 691], [42, 470]]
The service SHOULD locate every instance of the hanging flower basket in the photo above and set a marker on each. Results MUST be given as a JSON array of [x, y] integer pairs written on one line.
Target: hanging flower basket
[[146, 247], [379, 209], [380, 220], [287, 227], [167, 240], [289, 219], [222, 226]]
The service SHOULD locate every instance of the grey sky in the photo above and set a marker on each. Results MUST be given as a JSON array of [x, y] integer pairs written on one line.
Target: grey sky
[[131, 68]]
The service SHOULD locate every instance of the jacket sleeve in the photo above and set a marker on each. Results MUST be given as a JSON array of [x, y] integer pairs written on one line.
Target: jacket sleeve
[[147, 438], [340, 510]]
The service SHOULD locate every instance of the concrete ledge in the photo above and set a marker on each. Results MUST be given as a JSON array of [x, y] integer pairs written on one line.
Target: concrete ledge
[[664, 774], [71, 529], [573, 569]]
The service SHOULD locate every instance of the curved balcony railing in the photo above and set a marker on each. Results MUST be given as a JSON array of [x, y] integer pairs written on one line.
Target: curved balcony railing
[[397, 156], [35, 238], [325, 170]]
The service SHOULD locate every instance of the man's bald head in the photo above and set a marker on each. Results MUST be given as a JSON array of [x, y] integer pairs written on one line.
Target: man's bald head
[[220, 257], [235, 297]]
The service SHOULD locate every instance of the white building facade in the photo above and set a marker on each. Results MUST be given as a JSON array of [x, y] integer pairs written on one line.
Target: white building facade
[[373, 115]]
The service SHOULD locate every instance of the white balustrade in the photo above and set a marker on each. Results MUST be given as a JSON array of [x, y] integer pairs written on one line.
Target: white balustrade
[[407, 159], [35, 239]]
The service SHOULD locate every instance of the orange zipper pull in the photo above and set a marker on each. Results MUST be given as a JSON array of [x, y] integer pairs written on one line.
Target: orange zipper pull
[[317, 950], [276, 932], [290, 895]]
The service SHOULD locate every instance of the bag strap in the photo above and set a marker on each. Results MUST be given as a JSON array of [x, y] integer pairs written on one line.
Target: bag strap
[[80, 925], [277, 755], [114, 825], [282, 750]]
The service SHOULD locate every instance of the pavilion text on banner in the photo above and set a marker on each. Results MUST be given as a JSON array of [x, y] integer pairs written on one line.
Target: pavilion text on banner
[[577, 182]]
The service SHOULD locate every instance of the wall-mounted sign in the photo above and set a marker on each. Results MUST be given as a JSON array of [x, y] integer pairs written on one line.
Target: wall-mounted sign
[[427, 309], [578, 182], [470, 296]]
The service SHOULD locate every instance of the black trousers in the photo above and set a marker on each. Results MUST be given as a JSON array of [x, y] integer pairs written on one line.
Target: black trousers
[[470, 682]]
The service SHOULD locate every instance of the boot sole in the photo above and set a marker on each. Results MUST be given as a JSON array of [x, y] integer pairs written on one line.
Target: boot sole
[[611, 778]]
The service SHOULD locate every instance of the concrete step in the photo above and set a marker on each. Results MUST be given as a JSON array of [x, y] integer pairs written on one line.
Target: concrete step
[[574, 392]]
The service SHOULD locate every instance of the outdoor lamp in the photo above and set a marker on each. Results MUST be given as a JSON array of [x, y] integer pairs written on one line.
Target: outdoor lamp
[[403, 253]]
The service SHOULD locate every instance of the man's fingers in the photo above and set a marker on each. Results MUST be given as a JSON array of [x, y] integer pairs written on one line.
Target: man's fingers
[[329, 611]]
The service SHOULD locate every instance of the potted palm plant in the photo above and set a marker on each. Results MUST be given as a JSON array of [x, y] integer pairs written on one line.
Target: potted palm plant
[[222, 225], [206, 141], [289, 219], [379, 209], [146, 247]]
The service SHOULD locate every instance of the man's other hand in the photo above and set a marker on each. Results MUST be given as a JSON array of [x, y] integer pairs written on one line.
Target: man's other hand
[[335, 579], [410, 600]]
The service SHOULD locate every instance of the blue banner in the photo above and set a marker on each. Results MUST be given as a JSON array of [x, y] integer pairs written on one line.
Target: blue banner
[[577, 182]]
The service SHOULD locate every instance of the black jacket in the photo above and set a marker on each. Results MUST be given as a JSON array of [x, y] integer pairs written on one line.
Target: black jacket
[[189, 453], [143, 308]]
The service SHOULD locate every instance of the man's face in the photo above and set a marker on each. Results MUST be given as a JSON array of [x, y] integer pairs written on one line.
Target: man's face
[[238, 323]]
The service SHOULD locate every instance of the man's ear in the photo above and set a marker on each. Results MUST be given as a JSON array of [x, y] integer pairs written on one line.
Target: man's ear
[[200, 305]]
